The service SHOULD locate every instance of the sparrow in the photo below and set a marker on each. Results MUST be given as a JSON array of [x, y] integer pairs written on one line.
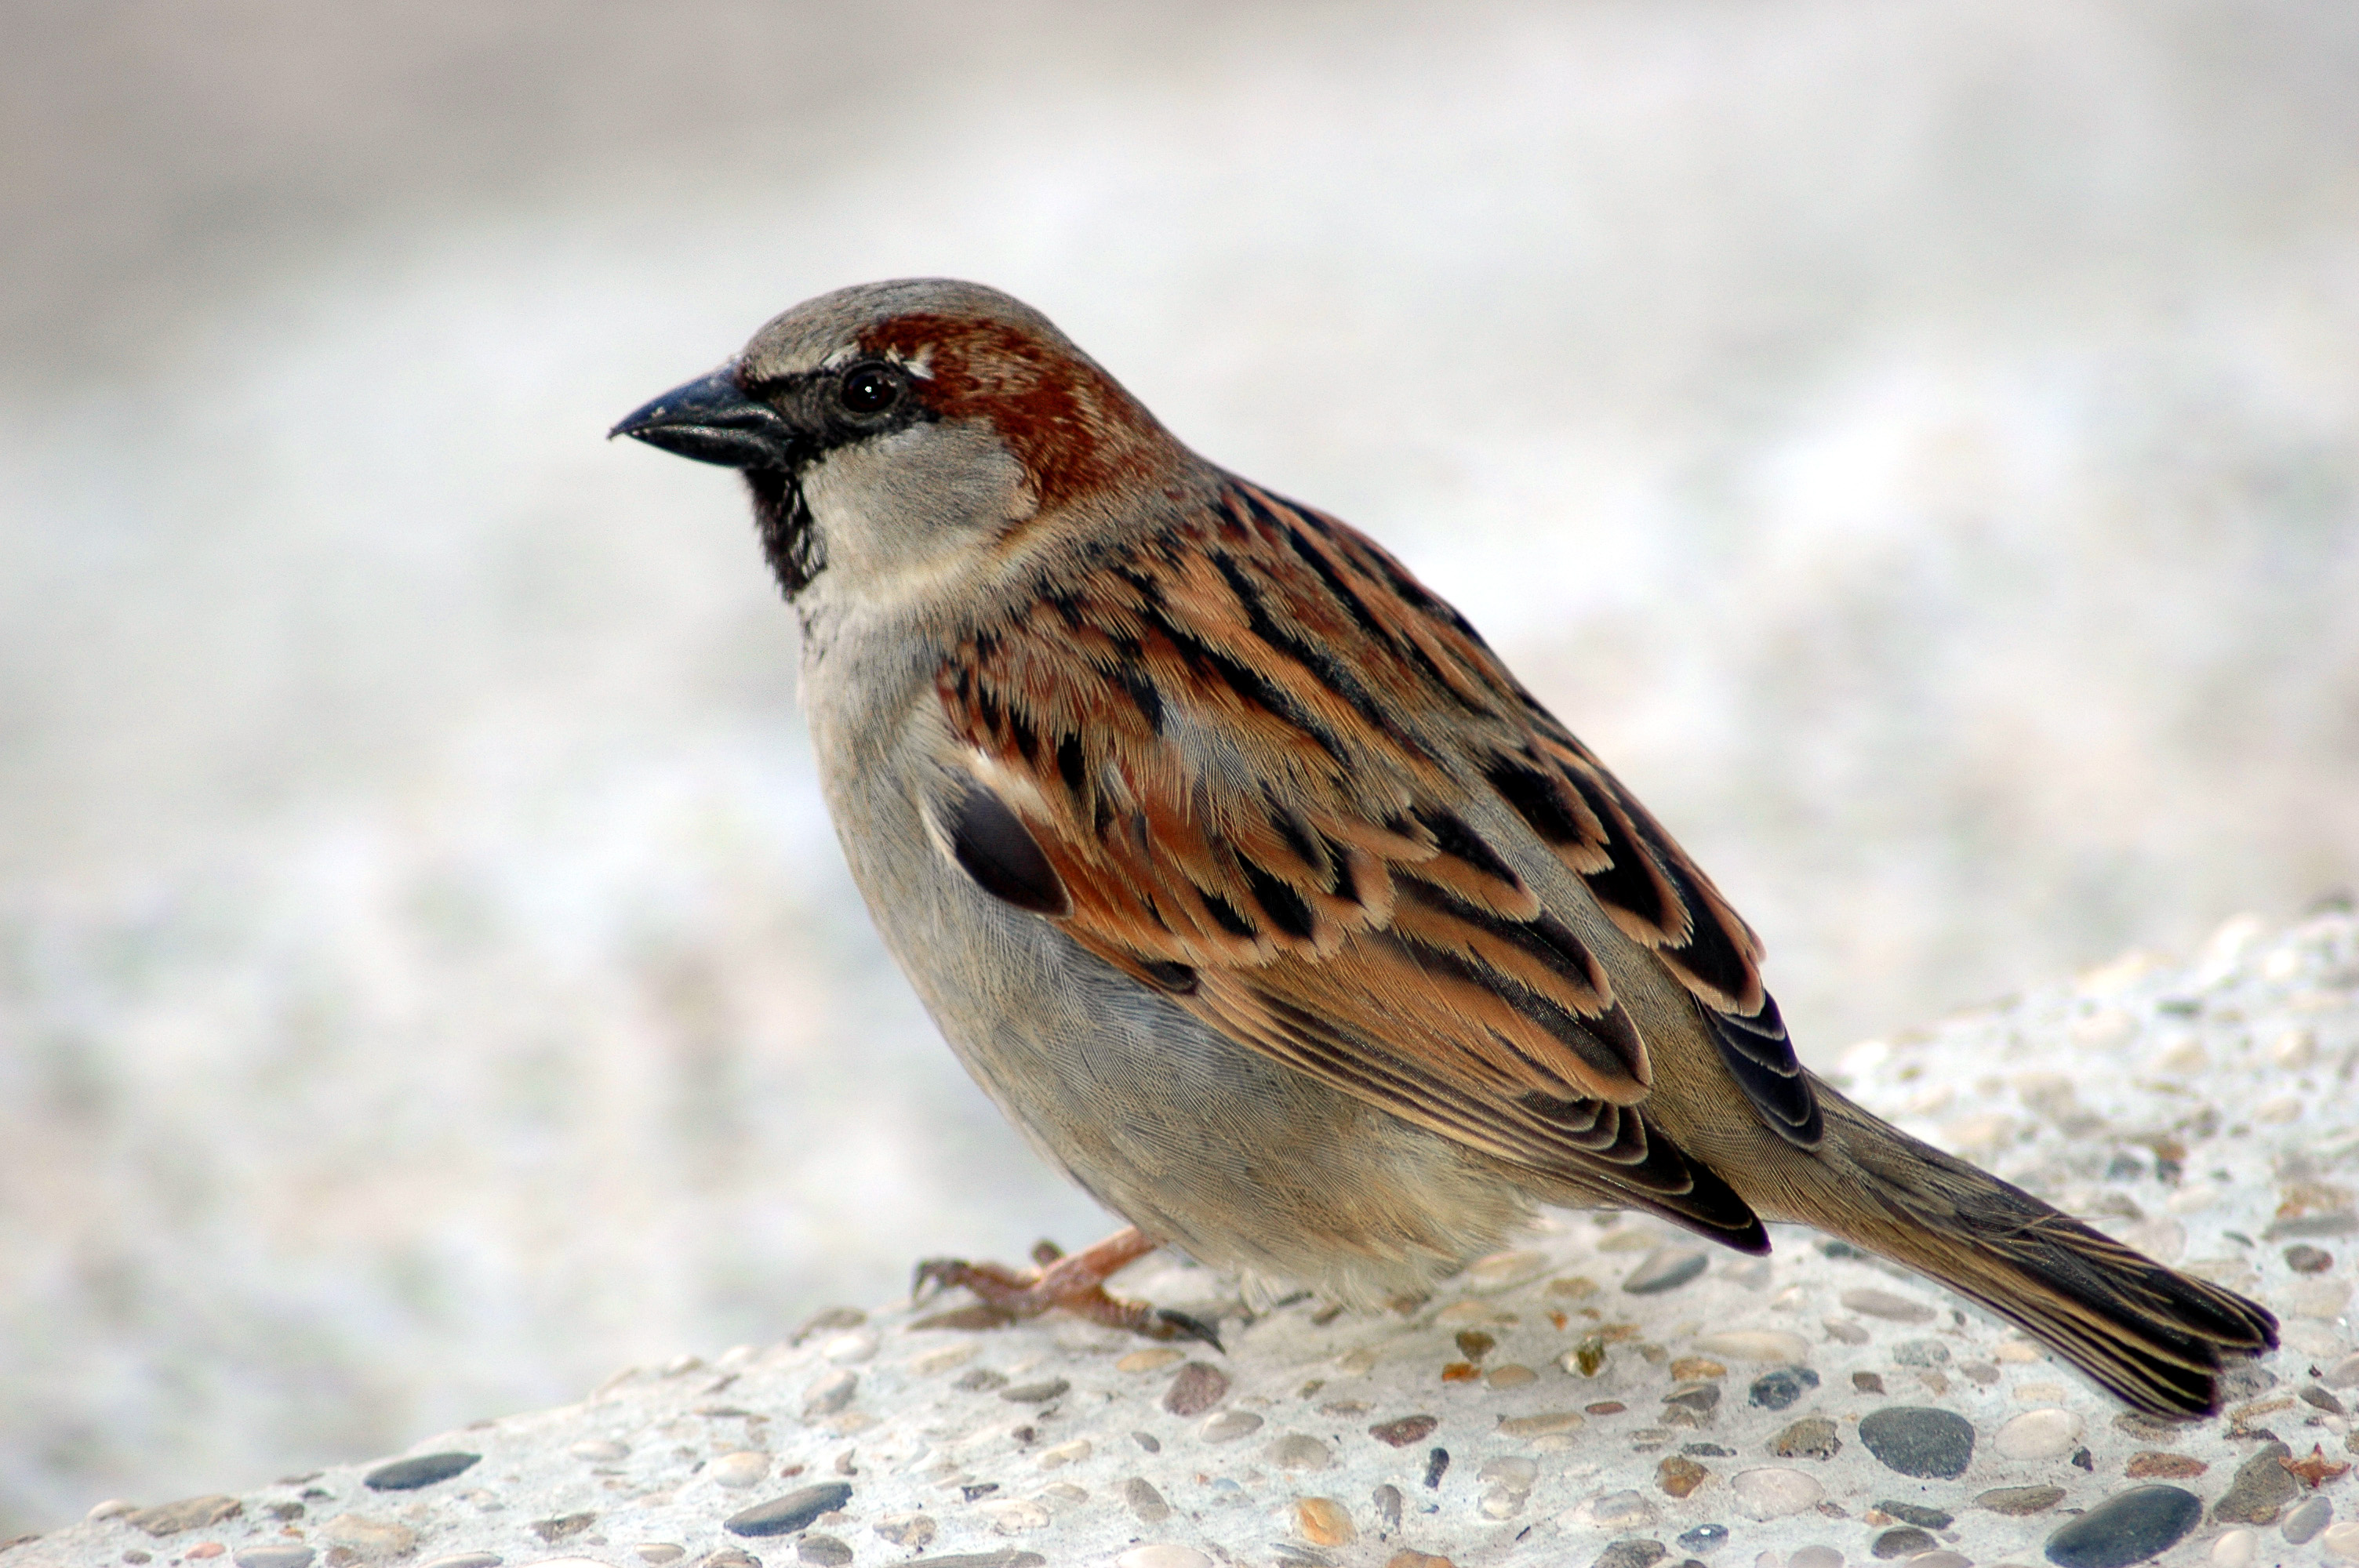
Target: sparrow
[[1263, 898]]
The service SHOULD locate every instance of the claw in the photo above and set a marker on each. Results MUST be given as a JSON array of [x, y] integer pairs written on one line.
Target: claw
[[1171, 1324]]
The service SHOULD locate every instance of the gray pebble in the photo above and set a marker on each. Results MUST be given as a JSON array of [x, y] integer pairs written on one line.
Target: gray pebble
[[1632, 1555], [1039, 1393], [786, 1515], [1918, 1514], [2306, 1519], [2262, 1488], [1196, 1388], [1665, 1269], [1006, 1557], [1907, 1540], [1229, 1425], [1704, 1538], [189, 1513], [1777, 1390], [1922, 1353], [292, 1556], [830, 1393], [1917, 1439], [2129, 1526], [1139, 1494], [1812, 1437], [2017, 1501], [464, 1560], [1387, 1499], [825, 1551]]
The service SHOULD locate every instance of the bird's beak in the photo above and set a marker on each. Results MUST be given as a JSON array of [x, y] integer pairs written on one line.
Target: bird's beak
[[714, 421]]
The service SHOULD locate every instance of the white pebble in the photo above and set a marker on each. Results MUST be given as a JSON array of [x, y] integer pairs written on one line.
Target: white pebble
[[1773, 1491], [1815, 1556], [2342, 1541], [116, 1508], [2314, 1298], [2344, 1374], [1942, 1559], [658, 1554], [1773, 1346], [1504, 1270], [1017, 1517], [1887, 1305], [2237, 1549], [1512, 1470], [1163, 1556], [600, 1449], [2038, 1434], [1228, 1426], [742, 1468], [1065, 1453], [849, 1349], [2295, 1049]]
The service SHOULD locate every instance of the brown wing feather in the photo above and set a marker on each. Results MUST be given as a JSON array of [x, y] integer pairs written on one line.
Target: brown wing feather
[[1253, 810]]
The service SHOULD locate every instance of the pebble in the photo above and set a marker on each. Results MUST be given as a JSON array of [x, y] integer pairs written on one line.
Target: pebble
[[2303, 1258], [1511, 1376], [657, 1553], [1631, 1554], [189, 1513], [2306, 1519], [2038, 1434], [938, 1361], [1295, 1451], [1039, 1393], [1400, 1434], [1228, 1426], [1942, 1559], [1812, 1437], [2017, 1501], [1694, 1369], [1016, 1516], [1917, 1440], [1546, 1424], [1777, 1390], [851, 1349], [2262, 1487], [1845, 1330], [1756, 1345], [1148, 1360], [2342, 1541], [2344, 1374], [2237, 1549], [794, 1511], [1774, 1492], [1917, 1514], [2129, 1526], [1679, 1476], [1505, 1271], [1697, 1397], [1138, 1495], [1665, 1268], [1162, 1555], [600, 1450], [1704, 1538], [823, 1551], [1197, 1388], [740, 1469], [1389, 1503], [830, 1394], [1886, 1305], [1511, 1470], [465, 1559], [912, 1531], [1815, 1556], [2155, 1465], [1867, 1382], [1922, 1353], [273, 1557], [1619, 1510], [1323, 1521], [1907, 1540], [369, 1536]]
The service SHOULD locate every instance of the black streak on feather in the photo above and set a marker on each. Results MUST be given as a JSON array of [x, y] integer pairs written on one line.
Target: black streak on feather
[[995, 848]]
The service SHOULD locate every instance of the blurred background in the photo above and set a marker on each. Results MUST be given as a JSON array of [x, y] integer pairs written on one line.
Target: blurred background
[[1913, 443]]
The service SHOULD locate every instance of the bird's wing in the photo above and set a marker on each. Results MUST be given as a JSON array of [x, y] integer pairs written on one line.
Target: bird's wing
[[1244, 760]]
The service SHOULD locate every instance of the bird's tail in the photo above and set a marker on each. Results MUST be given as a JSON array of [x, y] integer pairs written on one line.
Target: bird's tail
[[2153, 1335]]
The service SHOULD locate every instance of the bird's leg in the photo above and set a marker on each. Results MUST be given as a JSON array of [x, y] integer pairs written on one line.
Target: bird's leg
[[1074, 1283]]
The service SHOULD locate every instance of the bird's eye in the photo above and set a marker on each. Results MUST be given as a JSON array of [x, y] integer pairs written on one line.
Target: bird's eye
[[868, 389]]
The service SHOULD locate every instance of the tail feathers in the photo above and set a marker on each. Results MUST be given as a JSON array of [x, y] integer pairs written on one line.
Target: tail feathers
[[2156, 1337]]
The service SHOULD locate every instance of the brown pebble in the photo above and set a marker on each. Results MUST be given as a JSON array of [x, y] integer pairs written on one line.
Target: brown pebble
[[1868, 1383], [1511, 1376], [1690, 1368], [1473, 1343], [1459, 1372], [2154, 1464], [1324, 1523], [1197, 1388], [1417, 1560], [1812, 1437], [1605, 1407], [206, 1549], [1679, 1475], [2017, 1501], [1408, 1429], [1151, 1360], [2309, 1259], [1572, 1287]]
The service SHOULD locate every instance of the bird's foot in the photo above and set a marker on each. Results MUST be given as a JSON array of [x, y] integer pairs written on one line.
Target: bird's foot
[[1074, 1283]]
